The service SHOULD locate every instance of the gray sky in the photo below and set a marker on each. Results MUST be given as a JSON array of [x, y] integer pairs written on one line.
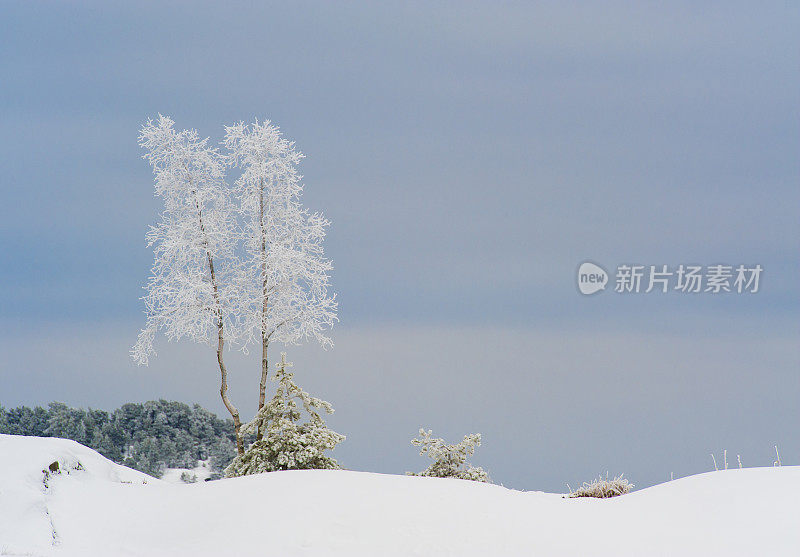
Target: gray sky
[[469, 157]]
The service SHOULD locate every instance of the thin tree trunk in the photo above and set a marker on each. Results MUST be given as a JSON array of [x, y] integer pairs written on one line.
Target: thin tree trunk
[[262, 386], [223, 389]]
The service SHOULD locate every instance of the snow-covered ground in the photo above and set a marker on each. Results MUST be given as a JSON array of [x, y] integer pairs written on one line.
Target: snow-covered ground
[[98, 508], [196, 474]]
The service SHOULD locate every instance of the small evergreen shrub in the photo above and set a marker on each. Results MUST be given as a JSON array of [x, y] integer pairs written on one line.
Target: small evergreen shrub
[[603, 488], [288, 444], [450, 461]]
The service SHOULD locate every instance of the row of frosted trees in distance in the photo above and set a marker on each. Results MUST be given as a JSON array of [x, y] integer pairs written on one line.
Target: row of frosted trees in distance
[[149, 437]]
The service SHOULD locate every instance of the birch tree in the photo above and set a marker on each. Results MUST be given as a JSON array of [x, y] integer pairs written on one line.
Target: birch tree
[[190, 293], [285, 276]]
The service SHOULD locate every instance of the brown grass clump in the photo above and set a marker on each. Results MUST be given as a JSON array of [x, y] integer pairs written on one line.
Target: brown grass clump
[[603, 488]]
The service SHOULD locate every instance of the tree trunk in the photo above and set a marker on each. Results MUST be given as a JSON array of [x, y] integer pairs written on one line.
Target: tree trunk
[[223, 392], [223, 389], [262, 386]]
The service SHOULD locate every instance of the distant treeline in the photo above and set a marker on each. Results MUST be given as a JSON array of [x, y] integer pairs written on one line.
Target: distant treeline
[[148, 437]]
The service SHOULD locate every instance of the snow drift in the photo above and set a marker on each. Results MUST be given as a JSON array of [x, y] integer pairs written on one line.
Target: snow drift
[[94, 507]]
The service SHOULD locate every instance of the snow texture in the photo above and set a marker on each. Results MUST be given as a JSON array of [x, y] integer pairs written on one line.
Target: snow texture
[[199, 473], [106, 509]]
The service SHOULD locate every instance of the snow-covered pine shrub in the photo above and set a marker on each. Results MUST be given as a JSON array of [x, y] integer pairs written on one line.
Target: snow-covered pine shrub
[[450, 461], [287, 444], [603, 488]]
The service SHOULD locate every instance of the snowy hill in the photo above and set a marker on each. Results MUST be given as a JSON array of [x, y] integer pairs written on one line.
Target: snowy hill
[[94, 508]]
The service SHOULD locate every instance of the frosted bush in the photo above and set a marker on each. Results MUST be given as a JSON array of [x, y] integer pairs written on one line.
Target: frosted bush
[[450, 461], [603, 488], [287, 444]]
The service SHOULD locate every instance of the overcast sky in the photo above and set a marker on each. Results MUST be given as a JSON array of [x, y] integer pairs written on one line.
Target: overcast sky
[[469, 156]]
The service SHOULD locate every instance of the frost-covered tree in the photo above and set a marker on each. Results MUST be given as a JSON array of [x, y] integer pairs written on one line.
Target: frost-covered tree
[[189, 294], [288, 444], [450, 461], [285, 278]]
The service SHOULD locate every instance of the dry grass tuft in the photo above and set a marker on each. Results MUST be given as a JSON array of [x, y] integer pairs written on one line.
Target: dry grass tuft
[[603, 488]]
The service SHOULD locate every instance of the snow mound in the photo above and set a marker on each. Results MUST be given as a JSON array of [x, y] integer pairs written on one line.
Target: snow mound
[[29, 468], [103, 509]]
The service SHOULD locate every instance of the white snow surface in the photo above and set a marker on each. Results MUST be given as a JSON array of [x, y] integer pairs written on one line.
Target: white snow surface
[[105, 509], [200, 473]]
